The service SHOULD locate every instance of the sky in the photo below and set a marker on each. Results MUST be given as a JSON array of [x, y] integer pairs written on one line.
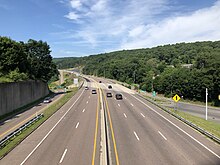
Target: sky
[[75, 28]]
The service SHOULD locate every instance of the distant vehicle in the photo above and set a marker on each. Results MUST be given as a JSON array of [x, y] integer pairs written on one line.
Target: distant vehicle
[[47, 100], [109, 87], [109, 94], [86, 88], [118, 96], [94, 91], [100, 81]]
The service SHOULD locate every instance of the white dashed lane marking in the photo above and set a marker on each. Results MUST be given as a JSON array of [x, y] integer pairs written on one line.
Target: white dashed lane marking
[[136, 136], [142, 115], [77, 125], [162, 135]]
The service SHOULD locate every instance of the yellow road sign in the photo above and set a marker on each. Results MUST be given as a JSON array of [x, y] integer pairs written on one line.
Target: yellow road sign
[[219, 97], [176, 98]]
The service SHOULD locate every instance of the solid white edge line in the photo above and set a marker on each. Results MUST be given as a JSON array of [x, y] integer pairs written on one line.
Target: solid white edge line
[[125, 115], [179, 128], [136, 136], [142, 115], [162, 135], [50, 130], [64, 153], [77, 125]]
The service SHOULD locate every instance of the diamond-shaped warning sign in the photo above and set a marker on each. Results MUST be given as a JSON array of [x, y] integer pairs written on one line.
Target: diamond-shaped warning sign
[[176, 98]]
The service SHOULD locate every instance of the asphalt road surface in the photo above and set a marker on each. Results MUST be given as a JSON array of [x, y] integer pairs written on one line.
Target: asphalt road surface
[[70, 136], [199, 110], [145, 134], [139, 133], [194, 109], [13, 122]]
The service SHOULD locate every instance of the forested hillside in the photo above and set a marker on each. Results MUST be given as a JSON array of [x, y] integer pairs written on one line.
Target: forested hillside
[[24, 61], [162, 68]]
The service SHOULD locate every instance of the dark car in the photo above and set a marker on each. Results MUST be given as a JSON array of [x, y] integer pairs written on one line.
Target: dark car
[[86, 88], [47, 100], [109, 87], [118, 96], [94, 91], [109, 94], [100, 81]]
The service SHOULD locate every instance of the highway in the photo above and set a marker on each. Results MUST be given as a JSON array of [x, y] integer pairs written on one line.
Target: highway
[[69, 136], [145, 134], [199, 110], [137, 133], [11, 123], [194, 109]]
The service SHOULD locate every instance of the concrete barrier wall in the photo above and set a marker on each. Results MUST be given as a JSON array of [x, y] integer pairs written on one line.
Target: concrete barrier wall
[[17, 94]]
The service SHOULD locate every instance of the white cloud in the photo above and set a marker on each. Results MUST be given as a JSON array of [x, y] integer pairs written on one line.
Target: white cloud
[[75, 4], [136, 31], [140, 23], [201, 25], [72, 16]]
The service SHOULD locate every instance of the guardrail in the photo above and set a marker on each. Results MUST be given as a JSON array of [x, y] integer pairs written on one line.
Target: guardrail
[[211, 136], [4, 141]]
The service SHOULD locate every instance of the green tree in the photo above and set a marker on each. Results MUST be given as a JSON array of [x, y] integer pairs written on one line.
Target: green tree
[[12, 56], [40, 60]]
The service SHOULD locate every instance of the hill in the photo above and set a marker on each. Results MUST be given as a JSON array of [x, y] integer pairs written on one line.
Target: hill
[[183, 68]]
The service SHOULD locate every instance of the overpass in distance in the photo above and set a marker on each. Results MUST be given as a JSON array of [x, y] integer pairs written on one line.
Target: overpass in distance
[[95, 129]]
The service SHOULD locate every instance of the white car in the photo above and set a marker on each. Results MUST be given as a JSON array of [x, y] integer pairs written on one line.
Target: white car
[[47, 100]]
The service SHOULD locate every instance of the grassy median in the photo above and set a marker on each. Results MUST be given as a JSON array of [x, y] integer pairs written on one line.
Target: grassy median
[[48, 112]]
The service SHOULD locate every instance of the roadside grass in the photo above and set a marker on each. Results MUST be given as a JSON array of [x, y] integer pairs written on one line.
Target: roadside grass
[[48, 112], [210, 126]]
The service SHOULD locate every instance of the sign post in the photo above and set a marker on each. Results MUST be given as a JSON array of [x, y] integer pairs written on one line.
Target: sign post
[[154, 94], [176, 98]]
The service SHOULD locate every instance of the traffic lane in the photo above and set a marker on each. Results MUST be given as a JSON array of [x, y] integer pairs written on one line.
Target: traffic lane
[[182, 125], [213, 113], [140, 141], [81, 148], [14, 122], [74, 134], [126, 143], [178, 138], [197, 110], [17, 155]]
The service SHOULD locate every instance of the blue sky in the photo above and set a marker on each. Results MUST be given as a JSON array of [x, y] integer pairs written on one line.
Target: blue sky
[[75, 28]]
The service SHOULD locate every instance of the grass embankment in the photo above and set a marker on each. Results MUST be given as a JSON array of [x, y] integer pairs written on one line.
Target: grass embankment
[[210, 126], [48, 112]]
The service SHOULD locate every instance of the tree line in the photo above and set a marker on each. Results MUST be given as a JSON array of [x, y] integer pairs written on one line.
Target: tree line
[[24, 61], [185, 69]]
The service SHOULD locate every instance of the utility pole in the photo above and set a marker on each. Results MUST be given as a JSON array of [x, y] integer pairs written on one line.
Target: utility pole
[[206, 103]]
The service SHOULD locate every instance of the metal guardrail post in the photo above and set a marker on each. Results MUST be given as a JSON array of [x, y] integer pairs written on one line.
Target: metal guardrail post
[[17, 131]]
